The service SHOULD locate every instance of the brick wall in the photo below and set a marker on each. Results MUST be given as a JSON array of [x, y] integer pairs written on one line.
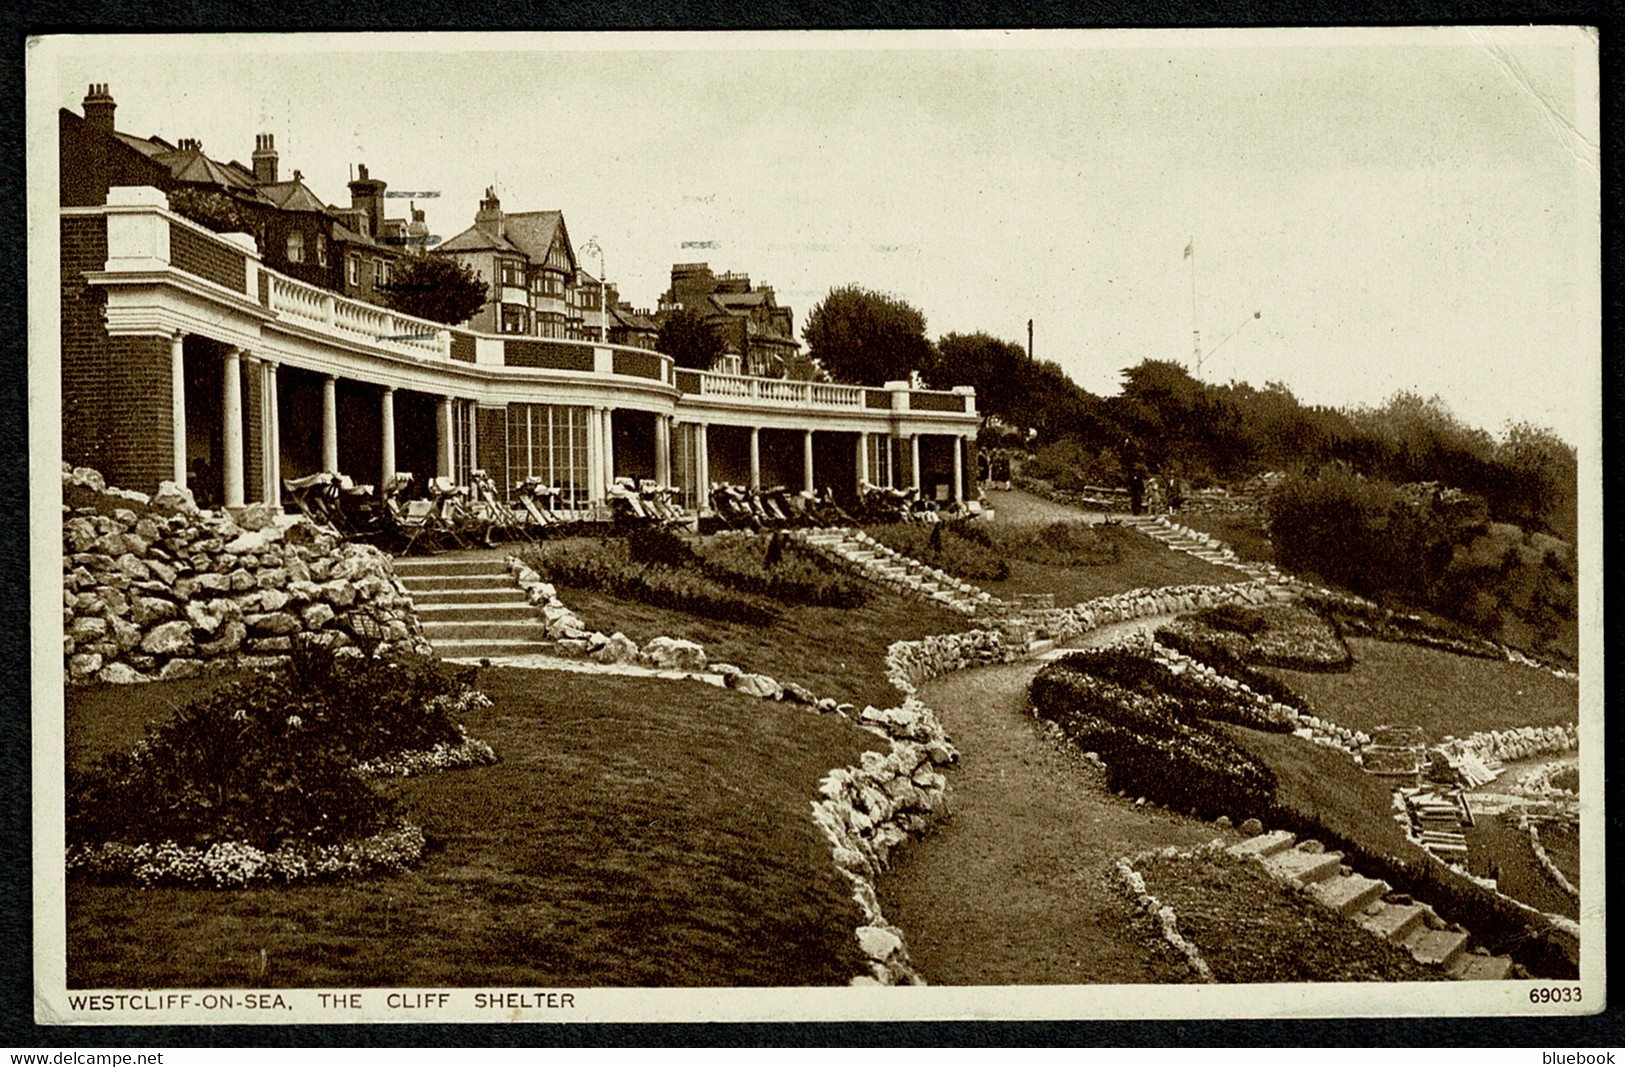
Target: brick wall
[[637, 364], [115, 391], [196, 254], [549, 356], [462, 346], [936, 402], [253, 456]]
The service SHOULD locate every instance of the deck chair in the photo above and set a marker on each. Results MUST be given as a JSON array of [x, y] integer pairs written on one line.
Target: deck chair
[[309, 496], [449, 511], [416, 523]]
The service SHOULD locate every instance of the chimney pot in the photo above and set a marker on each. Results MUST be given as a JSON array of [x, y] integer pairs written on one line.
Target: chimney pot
[[99, 105]]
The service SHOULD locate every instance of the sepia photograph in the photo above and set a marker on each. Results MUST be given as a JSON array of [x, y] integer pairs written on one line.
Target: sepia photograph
[[1034, 525]]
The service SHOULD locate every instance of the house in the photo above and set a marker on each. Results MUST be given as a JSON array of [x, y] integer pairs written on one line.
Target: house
[[346, 250], [755, 330], [527, 260]]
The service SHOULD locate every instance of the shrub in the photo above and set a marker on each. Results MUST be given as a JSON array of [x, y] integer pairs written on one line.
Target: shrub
[[1232, 638], [1199, 644], [608, 567], [1148, 750], [953, 553], [273, 759], [660, 546], [746, 564], [1234, 617], [1188, 695]]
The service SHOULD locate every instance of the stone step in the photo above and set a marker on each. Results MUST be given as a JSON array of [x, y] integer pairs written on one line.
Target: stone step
[[443, 582], [1468, 967], [493, 649], [1348, 894], [438, 613], [436, 567], [1262, 845], [425, 597], [1435, 948], [1305, 868], [1392, 922], [436, 632]]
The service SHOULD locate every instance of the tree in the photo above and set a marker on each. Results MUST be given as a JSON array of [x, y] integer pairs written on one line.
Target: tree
[[437, 288], [689, 340], [867, 338]]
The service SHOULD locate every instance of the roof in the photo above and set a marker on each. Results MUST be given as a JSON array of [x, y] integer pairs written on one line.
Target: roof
[[147, 146], [753, 298], [475, 239], [292, 195], [192, 166], [533, 233]]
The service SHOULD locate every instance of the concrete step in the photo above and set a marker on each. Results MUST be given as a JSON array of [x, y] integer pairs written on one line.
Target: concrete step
[[493, 649], [1348, 894], [1435, 948], [437, 632], [438, 613], [1468, 967], [425, 597], [434, 567], [443, 582], [1262, 845], [1305, 868], [1392, 922]]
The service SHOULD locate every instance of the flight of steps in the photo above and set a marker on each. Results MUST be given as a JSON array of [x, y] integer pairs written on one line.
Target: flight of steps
[[471, 607], [858, 551], [1415, 927], [1207, 547]]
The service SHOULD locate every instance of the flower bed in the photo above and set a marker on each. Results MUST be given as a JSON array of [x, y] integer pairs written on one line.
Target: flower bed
[[788, 573], [1275, 635], [946, 547], [1057, 544], [609, 567], [1150, 749], [265, 779]]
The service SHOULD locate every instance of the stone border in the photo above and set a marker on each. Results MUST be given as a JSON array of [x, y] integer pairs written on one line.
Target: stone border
[[1133, 883]]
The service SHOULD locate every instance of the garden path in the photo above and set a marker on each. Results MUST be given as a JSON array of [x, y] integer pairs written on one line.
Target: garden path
[[1014, 888]]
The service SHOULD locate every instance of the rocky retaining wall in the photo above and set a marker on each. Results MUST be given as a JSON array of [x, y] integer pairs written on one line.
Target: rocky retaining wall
[[174, 591]]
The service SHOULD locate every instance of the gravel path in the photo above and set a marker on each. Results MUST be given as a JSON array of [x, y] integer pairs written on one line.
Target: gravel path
[[1019, 508], [1013, 889]]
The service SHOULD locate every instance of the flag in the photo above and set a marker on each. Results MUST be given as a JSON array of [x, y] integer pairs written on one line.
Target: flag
[[1189, 250]]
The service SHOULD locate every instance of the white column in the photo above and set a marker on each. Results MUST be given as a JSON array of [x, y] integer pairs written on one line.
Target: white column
[[177, 406], [959, 469], [702, 467], [807, 461], [231, 418], [755, 457], [891, 462], [271, 435], [662, 450], [386, 411], [330, 424], [595, 456], [608, 415], [863, 457], [443, 467], [914, 460]]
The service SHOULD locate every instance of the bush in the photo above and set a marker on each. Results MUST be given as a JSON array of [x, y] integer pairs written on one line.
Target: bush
[[1200, 645], [1235, 618], [660, 546], [273, 759], [1188, 695], [1147, 749], [1232, 638], [608, 567], [945, 547], [745, 564]]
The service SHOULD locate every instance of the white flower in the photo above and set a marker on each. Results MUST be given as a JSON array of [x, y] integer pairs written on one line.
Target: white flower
[[295, 721]]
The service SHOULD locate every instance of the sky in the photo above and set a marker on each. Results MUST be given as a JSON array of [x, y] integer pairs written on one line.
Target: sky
[[1403, 210]]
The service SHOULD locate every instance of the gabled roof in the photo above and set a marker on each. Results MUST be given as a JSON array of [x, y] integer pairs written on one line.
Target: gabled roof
[[147, 146], [475, 239], [533, 233], [192, 166], [753, 298], [292, 195]]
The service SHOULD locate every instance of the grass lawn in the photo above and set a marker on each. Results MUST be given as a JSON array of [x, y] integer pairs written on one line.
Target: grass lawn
[[835, 652], [1398, 684], [1499, 850], [1250, 927], [636, 833], [1131, 561], [112, 718]]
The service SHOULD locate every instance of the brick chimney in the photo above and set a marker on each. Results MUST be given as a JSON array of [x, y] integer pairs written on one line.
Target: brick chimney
[[367, 194], [99, 107], [264, 158], [489, 217]]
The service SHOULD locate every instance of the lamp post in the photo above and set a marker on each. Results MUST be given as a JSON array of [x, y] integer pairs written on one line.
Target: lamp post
[[592, 248]]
